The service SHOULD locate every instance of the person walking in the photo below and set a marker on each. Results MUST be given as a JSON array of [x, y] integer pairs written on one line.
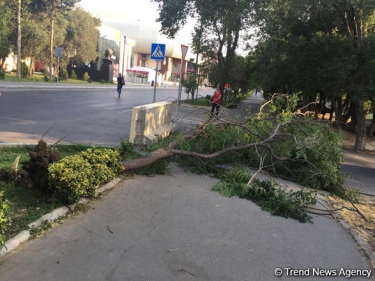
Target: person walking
[[216, 102], [120, 84]]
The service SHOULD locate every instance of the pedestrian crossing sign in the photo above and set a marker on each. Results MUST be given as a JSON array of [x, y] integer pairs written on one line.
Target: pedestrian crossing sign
[[157, 51]]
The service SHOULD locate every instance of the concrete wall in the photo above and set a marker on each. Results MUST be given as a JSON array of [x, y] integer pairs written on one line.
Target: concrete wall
[[151, 122]]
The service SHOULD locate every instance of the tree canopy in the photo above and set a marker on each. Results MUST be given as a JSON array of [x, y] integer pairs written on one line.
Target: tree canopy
[[218, 30], [76, 32], [319, 49]]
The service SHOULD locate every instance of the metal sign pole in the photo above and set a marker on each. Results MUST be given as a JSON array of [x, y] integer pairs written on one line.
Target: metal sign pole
[[184, 50], [179, 89], [58, 69], [157, 53], [58, 53], [156, 77]]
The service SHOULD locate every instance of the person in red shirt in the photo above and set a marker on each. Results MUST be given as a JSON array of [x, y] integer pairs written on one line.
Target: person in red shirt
[[216, 102]]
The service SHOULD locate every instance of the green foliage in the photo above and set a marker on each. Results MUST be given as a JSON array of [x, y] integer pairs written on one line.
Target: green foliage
[[73, 75], [80, 175], [46, 78], [125, 147], [40, 230], [24, 70], [278, 202], [71, 179], [86, 76], [4, 217], [5, 28], [159, 167], [108, 157], [302, 149], [190, 84], [2, 75], [214, 138], [63, 73]]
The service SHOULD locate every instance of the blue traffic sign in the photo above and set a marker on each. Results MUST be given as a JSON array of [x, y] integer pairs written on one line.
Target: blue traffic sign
[[157, 51]]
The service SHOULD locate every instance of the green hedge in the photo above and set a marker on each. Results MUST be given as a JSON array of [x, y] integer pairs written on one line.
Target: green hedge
[[4, 218], [80, 175]]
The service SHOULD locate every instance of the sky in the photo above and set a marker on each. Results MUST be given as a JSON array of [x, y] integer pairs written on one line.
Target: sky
[[143, 11]]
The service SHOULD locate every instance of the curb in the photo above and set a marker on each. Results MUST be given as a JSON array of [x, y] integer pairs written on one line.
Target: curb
[[362, 244], [25, 235]]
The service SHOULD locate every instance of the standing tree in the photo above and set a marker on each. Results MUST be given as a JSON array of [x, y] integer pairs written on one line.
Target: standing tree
[[5, 29], [82, 35], [320, 48], [34, 38], [52, 8], [218, 29]]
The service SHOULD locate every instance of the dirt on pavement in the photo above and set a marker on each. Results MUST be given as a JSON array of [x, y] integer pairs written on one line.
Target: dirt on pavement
[[355, 214]]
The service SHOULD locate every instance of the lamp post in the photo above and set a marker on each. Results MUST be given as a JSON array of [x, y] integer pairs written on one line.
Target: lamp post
[[123, 58], [19, 39]]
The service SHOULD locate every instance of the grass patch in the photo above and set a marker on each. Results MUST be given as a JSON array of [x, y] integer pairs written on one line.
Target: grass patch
[[39, 77], [26, 203], [198, 101]]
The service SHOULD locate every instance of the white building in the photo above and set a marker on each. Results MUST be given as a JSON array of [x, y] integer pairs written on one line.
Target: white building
[[132, 52]]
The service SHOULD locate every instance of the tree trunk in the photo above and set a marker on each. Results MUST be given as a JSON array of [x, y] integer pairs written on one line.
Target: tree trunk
[[147, 160], [338, 112], [360, 140]]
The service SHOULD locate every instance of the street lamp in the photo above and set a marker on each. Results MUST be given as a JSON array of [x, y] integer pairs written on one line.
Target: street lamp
[[123, 58]]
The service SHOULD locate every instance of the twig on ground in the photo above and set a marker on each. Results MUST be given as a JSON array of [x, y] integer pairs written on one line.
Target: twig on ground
[[183, 269]]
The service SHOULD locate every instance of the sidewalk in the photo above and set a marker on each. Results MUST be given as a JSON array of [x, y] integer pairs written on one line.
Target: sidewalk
[[173, 227]]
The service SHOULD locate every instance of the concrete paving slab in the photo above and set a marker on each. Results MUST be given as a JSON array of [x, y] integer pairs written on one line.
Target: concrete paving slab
[[175, 228]]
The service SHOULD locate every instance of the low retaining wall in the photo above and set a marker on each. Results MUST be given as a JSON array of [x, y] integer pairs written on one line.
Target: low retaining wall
[[151, 122]]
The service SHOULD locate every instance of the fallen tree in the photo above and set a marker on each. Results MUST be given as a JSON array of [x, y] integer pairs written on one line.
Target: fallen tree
[[277, 140]]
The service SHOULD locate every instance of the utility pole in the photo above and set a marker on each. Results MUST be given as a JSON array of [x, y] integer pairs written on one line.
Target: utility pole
[[51, 44], [19, 40], [123, 58]]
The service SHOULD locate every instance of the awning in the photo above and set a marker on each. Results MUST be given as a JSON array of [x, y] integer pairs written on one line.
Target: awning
[[138, 70]]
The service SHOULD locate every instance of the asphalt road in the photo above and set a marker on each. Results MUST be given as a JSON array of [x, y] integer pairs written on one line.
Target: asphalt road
[[89, 116]]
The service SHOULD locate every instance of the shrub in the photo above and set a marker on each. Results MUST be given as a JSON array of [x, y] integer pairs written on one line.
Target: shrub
[[73, 75], [107, 157], [46, 78], [24, 70], [125, 147], [80, 175], [4, 218], [70, 179], [2, 75], [63, 73], [86, 76]]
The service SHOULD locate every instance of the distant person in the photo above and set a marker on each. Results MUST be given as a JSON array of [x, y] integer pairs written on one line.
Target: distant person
[[216, 102], [120, 84]]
